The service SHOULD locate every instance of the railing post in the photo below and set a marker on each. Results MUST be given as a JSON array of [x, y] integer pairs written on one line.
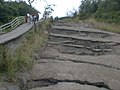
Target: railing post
[[0, 29], [11, 25], [18, 20]]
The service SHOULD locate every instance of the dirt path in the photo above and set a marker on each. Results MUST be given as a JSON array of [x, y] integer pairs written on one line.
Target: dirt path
[[77, 58]]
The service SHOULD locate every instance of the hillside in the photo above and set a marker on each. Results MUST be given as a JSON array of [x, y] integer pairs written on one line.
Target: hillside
[[102, 10], [10, 10]]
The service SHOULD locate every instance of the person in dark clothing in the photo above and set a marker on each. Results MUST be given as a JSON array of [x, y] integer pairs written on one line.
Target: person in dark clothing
[[37, 17]]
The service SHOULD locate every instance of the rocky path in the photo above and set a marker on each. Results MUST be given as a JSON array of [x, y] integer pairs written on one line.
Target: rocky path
[[77, 58]]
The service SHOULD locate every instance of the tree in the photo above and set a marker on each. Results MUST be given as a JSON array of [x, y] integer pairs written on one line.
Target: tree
[[104, 10], [48, 11], [10, 10], [88, 7], [30, 2], [1, 1]]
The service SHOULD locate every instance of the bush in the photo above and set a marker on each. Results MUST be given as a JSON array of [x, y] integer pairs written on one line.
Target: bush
[[111, 17]]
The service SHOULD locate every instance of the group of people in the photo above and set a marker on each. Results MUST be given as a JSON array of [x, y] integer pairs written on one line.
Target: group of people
[[31, 18]]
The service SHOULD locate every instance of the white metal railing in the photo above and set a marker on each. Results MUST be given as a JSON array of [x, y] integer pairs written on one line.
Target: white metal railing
[[13, 24]]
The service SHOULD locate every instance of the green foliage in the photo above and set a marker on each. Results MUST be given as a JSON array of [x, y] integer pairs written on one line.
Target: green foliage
[[102, 10], [6, 63], [110, 17], [88, 7], [2, 57], [48, 11], [112, 27], [56, 18], [12, 9]]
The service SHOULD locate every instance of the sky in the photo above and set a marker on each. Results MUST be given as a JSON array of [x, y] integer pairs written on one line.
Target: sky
[[61, 8]]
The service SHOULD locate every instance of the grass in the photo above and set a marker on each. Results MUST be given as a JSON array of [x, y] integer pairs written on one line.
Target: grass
[[22, 59], [7, 30], [112, 27]]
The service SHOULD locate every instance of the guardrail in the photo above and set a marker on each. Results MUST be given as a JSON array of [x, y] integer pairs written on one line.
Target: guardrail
[[13, 24]]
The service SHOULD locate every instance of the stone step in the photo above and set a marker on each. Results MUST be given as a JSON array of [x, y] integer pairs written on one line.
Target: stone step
[[83, 29], [110, 61], [66, 71], [80, 50], [80, 46], [73, 37], [86, 43], [82, 33]]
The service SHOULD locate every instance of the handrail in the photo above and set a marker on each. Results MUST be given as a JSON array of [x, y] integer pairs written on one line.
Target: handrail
[[13, 24]]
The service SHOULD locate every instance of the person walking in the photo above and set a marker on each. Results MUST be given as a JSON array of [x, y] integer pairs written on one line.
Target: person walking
[[26, 21], [28, 18], [37, 17]]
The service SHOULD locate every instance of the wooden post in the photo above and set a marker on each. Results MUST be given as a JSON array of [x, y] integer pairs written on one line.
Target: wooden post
[[11, 25], [34, 24], [18, 20], [0, 29]]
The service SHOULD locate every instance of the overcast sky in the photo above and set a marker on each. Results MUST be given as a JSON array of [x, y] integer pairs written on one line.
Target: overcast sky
[[61, 8]]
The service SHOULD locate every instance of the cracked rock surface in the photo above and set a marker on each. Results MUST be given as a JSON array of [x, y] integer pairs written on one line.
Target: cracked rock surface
[[77, 58], [69, 86]]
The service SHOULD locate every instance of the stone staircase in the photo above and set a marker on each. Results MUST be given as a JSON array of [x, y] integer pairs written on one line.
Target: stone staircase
[[77, 58]]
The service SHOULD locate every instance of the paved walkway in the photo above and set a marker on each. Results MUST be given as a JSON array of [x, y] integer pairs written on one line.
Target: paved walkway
[[15, 33]]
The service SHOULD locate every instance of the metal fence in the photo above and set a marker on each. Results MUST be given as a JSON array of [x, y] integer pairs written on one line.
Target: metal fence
[[13, 24]]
